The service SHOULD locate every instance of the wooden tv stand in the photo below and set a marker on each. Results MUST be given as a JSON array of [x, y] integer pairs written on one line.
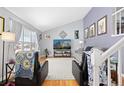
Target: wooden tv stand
[[62, 52]]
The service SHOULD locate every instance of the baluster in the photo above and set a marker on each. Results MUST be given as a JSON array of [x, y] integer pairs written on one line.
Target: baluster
[[109, 72], [119, 67]]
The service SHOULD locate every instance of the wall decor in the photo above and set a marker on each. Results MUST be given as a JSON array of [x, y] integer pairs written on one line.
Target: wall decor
[[1, 25], [63, 34], [86, 32], [40, 37], [76, 34], [92, 30], [47, 36], [102, 26]]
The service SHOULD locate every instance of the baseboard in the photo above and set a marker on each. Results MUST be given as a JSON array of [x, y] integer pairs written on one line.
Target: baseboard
[[122, 75]]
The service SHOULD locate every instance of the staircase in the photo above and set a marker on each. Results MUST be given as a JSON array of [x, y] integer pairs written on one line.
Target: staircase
[[98, 57]]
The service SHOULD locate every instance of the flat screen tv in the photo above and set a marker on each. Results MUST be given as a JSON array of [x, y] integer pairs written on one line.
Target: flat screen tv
[[62, 44]]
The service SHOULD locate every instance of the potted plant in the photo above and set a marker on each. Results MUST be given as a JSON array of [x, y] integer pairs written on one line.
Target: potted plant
[[46, 52]]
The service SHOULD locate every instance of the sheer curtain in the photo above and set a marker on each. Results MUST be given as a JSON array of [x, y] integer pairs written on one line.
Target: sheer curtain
[[35, 40], [15, 27], [39, 38], [28, 40]]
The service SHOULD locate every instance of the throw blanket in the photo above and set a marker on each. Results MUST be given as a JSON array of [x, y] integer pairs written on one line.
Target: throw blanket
[[102, 73], [24, 64]]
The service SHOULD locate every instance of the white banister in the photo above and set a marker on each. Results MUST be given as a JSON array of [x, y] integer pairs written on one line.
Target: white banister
[[98, 57], [113, 49]]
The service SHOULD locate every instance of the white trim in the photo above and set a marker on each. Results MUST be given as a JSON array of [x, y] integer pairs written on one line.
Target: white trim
[[122, 75], [120, 22], [109, 72], [113, 49], [120, 66], [117, 35], [116, 12], [115, 15]]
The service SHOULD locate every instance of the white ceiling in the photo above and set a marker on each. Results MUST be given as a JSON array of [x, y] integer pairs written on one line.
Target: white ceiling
[[46, 18]]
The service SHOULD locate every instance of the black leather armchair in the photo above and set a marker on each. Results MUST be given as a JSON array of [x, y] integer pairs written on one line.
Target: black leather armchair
[[80, 72], [39, 74]]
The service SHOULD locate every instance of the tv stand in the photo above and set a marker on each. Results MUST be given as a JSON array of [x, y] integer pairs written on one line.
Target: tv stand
[[62, 52]]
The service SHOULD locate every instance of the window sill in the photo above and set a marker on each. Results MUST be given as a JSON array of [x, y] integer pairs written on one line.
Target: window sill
[[117, 35]]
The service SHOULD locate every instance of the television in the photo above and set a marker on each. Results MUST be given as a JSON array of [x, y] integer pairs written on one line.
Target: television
[[62, 44]]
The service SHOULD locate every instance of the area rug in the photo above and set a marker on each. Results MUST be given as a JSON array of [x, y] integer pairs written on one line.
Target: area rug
[[60, 69]]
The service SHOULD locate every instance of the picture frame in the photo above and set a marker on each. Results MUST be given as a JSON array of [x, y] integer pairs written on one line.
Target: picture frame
[[102, 26], [2, 20], [40, 36], [47, 36], [92, 30], [76, 34], [63, 34], [86, 33]]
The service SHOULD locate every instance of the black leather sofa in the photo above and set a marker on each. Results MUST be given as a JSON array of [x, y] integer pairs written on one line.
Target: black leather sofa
[[80, 72], [39, 75]]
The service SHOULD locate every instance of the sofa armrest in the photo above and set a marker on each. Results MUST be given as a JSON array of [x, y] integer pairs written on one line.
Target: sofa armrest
[[75, 63], [43, 72], [76, 71]]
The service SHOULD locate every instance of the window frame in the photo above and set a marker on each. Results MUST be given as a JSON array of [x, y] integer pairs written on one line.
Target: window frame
[[23, 42], [114, 21]]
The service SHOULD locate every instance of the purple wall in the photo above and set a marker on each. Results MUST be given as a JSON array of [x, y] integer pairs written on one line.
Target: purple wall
[[104, 41]]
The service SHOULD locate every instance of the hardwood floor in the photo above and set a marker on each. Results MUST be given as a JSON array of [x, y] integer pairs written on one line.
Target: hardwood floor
[[60, 83], [122, 81], [42, 59]]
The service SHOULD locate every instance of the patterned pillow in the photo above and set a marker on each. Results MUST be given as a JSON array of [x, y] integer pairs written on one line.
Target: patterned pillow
[[25, 64]]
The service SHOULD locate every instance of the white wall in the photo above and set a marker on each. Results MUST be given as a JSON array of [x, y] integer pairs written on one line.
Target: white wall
[[6, 14], [69, 29]]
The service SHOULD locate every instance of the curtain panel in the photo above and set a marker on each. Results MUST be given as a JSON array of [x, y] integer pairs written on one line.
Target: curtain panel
[[39, 38], [15, 27]]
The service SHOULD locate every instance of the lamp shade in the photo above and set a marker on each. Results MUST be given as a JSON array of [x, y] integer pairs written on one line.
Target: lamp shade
[[8, 36]]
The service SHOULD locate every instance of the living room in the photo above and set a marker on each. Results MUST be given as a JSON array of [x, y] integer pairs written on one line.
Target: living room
[[61, 43], [24, 32]]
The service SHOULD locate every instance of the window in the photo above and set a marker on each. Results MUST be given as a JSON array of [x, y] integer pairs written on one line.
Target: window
[[28, 41], [118, 21]]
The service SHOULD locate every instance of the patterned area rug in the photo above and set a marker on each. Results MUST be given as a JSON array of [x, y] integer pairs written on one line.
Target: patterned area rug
[[60, 69]]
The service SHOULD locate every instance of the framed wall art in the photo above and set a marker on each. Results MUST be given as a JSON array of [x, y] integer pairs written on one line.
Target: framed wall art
[[1, 25], [63, 34], [76, 34], [92, 30], [47, 36], [102, 26], [40, 36]]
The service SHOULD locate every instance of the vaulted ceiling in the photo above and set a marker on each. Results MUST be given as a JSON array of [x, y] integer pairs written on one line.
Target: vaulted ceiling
[[46, 18]]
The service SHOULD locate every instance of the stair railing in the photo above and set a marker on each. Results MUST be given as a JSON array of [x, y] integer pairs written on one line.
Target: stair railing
[[98, 57]]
